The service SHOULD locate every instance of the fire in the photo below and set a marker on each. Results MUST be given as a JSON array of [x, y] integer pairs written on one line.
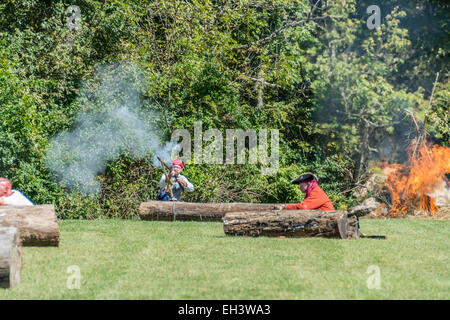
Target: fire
[[411, 185]]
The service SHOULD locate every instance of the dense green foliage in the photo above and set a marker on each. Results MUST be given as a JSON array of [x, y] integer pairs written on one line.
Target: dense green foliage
[[336, 91]]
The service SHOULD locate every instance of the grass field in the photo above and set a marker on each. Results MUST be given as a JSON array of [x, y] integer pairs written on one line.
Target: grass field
[[130, 259]]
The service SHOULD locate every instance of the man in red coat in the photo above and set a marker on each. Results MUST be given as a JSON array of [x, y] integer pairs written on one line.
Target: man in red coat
[[315, 199]]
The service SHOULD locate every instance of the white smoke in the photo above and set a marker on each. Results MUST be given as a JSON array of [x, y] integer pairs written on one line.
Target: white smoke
[[441, 194], [113, 123], [166, 153]]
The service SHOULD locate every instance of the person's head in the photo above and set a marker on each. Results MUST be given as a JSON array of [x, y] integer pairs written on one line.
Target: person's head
[[5, 187], [176, 166], [304, 181], [304, 185]]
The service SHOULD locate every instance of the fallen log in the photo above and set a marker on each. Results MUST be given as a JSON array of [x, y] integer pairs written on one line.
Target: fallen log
[[10, 257], [366, 207], [37, 225], [292, 223], [175, 211]]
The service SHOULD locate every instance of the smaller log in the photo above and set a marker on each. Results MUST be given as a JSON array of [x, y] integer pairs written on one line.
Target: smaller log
[[189, 211], [10, 257], [37, 225], [292, 223], [367, 206]]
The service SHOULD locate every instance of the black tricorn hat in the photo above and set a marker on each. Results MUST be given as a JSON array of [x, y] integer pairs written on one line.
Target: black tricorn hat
[[305, 177]]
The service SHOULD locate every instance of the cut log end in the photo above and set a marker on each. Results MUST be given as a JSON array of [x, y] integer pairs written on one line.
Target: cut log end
[[10, 257]]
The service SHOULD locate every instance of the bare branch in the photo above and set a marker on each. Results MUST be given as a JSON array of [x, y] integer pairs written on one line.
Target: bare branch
[[287, 25], [262, 81]]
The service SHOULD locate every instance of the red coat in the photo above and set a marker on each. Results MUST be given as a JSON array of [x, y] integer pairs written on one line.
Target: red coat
[[317, 200]]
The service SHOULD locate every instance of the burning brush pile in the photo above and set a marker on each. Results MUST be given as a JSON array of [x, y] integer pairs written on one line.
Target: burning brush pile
[[419, 185]]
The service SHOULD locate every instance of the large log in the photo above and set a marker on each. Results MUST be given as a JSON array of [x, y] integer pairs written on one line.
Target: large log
[[37, 225], [10, 257], [171, 211], [292, 223]]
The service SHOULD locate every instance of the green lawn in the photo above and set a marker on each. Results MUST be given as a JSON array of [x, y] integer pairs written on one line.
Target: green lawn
[[130, 259]]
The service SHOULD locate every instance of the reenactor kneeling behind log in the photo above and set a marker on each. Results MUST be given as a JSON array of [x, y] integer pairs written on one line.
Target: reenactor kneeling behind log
[[315, 199]]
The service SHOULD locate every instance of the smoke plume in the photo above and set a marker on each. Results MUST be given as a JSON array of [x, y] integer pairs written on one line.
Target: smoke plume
[[113, 120]]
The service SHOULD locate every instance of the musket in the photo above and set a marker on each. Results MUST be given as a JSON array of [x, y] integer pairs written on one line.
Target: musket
[[169, 182]]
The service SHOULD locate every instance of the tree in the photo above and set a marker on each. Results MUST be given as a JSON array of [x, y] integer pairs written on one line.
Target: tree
[[358, 102]]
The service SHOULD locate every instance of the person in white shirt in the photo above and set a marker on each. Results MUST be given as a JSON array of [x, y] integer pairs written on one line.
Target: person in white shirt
[[180, 183], [12, 197]]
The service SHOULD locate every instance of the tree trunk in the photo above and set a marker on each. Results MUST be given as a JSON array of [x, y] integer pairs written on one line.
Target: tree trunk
[[259, 87], [37, 225], [169, 211], [292, 223], [10, 257], [364, 149]]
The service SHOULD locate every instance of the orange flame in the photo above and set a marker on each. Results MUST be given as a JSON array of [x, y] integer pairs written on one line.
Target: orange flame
[[411, 184]]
